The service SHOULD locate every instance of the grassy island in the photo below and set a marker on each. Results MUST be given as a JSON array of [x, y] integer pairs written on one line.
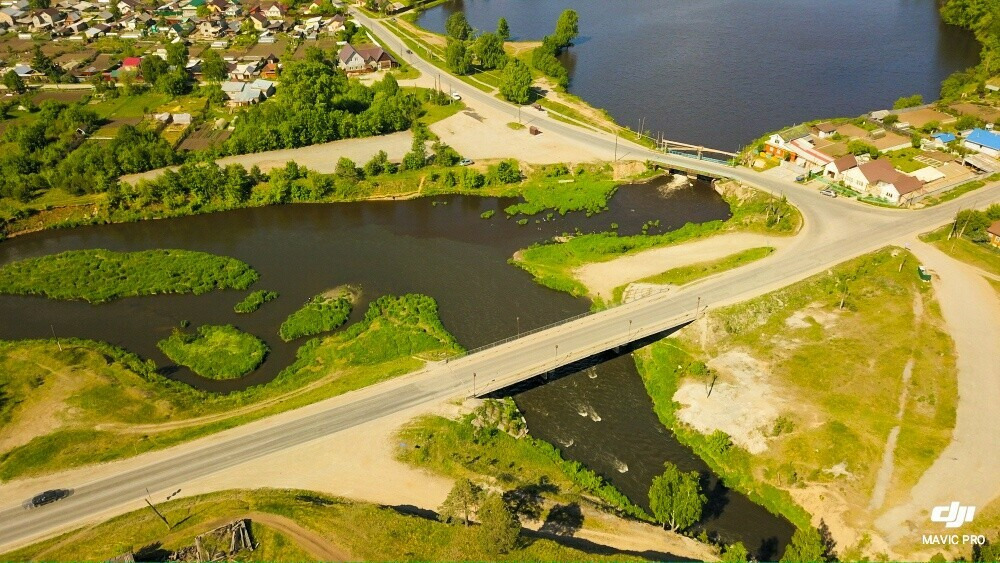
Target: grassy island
[[216, 352], [255, 301], [320, 314], [101, 275]]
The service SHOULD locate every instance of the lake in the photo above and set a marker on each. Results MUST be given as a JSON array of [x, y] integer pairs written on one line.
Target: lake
[[725, 72]]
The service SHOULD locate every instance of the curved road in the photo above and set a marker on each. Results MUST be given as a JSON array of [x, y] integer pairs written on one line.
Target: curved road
[[834, 231]]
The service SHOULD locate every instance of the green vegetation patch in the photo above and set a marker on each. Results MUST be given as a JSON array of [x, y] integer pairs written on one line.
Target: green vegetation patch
[[555, 189], [968, 240], [255, 301], [216, 352], [475, 447], [834, 349], [320, 314], [100, 275]]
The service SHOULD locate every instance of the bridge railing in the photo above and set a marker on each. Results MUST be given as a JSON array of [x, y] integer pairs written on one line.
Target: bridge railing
[[522, 334]]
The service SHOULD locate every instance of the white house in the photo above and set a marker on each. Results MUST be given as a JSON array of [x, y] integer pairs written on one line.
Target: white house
[[834, 170], [880, 179], [983, 141]]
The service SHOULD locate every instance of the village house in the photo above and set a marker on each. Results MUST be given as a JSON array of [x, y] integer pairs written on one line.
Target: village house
[[127, 6], [835, 170], [777, 145], [993, 232], [11, 17], [247, 93], [879, 178], [46, 19], [366, 58], [983, 141], [824, 130], [274, 11]]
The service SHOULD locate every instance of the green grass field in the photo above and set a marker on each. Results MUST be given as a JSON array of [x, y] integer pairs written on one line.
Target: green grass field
[[588, 191], [104, 275], [840, 369], [982, 256], [216, 352]]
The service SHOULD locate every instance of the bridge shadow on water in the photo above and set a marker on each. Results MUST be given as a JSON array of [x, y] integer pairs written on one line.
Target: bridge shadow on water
[[579, 365]]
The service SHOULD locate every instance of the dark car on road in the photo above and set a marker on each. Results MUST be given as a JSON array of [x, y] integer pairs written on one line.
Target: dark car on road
[[48, 497]]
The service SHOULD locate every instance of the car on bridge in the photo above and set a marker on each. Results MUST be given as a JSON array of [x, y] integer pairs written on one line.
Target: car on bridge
[[48, 497]]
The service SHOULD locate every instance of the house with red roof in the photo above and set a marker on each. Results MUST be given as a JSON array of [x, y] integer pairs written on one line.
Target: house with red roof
[[131, 63], [880, 179], [993, 232]]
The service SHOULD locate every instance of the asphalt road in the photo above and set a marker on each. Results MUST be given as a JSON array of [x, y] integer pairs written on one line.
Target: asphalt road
[[835, 230]]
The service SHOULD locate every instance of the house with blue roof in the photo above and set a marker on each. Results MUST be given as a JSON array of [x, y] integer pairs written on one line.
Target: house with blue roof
[[942, 139], [983, 141]]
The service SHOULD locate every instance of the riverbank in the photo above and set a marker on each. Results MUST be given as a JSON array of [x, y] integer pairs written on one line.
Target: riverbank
[[558, 187], [594, 265], [787, 398], [550, 494], [130, 409]]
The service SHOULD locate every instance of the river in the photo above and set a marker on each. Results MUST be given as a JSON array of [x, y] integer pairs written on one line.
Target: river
[[437, 246], [722, 73]]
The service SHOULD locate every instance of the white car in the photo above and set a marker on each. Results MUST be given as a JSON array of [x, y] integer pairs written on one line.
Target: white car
[[455, 96]]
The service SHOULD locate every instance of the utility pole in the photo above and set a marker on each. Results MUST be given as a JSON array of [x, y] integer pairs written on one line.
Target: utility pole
[[473, 385], [697, 308], [518, 320], [616, 145]]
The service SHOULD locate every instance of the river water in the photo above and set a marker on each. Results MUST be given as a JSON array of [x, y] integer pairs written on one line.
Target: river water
[[722, 73], [437, 246]]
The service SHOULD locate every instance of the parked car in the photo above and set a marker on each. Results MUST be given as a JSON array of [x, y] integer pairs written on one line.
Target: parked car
[[455, 96], [48, 497], [829, 193], [465, 162]]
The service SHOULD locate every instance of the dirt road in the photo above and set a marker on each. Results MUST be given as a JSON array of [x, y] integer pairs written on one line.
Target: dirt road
[[966, 469], [601, 278]]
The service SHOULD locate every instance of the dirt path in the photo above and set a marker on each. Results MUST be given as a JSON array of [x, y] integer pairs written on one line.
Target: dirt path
[[311, 542], [884, 477], [966, 469], [601, 278]]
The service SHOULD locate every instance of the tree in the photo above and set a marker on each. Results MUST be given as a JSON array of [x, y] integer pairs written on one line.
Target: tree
[[457, 57], [515, 82], [347, 170], [675, 498], [461, 502], [499, 528], [489, 50], [806, 545], [151, 68], [176, 82], [735, 553], [213, 68], [177, 54], [503, 30], [908, 102], [858, 147], [457, 27], [567, 28], [14, 82]]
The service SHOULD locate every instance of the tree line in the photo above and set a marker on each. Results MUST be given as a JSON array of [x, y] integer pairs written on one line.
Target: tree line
[[467, 50]]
